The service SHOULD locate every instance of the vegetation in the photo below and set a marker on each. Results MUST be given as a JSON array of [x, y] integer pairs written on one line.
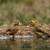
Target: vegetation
[[10, 11], [32, 14], [24, 11]]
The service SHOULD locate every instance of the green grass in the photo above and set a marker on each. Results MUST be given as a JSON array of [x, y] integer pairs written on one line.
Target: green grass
[[8, 12]]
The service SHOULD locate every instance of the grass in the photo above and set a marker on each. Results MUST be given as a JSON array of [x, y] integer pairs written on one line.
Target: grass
[[9, 13]]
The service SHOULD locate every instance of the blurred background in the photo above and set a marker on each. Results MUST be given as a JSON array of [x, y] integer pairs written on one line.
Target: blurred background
[[24, 11]]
